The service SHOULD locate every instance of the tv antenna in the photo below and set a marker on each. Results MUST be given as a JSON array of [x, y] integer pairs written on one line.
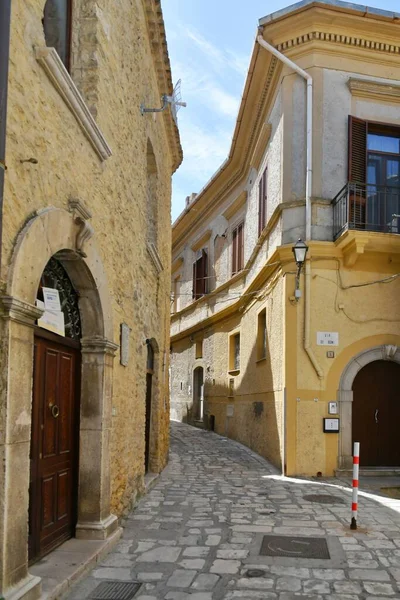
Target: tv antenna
[[175, 101]]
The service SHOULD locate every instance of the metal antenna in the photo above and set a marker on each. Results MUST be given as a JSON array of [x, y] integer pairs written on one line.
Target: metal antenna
[[175, 101]]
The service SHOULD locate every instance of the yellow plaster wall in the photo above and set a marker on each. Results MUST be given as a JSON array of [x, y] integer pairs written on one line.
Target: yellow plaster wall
[[40, 125]]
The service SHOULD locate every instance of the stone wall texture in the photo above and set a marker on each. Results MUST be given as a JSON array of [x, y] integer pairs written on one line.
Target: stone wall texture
[[114, 68]]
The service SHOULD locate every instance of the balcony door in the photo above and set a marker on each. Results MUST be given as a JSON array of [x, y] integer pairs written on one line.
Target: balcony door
[[383, 171]]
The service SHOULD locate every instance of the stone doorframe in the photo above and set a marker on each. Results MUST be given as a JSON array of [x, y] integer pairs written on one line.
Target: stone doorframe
[[53, 232], [345, 396]]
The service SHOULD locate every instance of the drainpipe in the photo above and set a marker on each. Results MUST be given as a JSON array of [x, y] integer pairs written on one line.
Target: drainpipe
[[5, 25], [307, 302]]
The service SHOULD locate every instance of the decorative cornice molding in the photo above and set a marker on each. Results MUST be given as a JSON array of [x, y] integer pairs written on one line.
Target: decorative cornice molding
[[98, 345], [19, 311], [76, 206], [155, 257], [202, 240], [339, 38], [261, 145], [374, 90], [177, 264], [158, 44], [62, 81], [236, 205]]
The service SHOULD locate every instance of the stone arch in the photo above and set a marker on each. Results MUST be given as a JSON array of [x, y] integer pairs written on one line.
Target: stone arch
[[345, 395], [56, 232]]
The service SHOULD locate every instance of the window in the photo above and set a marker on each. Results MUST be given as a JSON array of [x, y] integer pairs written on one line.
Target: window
[[262, 202], [237, 249], [262, 335], [176, 293], [374, 166], [234, 352], [57, 27], [199, 349], [200, 270]]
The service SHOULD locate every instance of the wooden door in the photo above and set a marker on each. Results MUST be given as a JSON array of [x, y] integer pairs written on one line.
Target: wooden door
[[376, 414], [54, 445], [149, 385]]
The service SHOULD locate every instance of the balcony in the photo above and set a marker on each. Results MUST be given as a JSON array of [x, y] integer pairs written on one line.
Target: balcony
[[366, 207]]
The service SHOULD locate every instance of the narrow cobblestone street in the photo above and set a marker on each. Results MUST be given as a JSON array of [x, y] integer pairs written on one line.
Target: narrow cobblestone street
[[197, 534]]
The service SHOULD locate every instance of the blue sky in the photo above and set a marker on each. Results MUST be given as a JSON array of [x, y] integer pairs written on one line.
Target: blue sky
[[209, 43]]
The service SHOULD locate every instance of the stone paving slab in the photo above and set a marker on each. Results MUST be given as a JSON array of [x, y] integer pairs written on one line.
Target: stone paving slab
[[197, 533]]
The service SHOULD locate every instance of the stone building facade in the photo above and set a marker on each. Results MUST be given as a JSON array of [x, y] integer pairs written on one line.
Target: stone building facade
[[252, 356], [87, 196]]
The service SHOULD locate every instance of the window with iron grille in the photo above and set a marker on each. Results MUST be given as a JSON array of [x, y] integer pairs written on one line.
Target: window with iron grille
[[200, 271], [262, 201], [237, 249]]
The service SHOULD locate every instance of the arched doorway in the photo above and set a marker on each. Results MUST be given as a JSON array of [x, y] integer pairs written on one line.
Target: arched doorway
[[376, 413], [54, 454], [149, 389], [198, 394]]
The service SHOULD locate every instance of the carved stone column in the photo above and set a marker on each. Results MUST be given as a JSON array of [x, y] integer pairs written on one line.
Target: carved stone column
[[94, 518], [16, 360]]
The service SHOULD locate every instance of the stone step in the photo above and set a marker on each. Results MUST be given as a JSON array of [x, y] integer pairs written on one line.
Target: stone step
[[370, 472]]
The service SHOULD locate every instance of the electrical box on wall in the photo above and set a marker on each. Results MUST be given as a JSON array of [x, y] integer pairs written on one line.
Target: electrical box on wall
[[330, 425]]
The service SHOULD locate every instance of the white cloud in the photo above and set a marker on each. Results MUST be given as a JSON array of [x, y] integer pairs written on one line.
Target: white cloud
[[219, 58]]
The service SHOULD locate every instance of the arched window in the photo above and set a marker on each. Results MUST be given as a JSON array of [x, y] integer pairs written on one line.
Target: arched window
[[57, 27], [152, 201]]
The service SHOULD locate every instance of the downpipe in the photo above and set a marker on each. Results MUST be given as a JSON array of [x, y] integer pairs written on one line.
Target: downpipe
[[5, 26], [309, 175]]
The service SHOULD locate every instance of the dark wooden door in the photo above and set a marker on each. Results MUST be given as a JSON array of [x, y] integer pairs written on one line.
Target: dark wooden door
[[149, 385], [376, 414], [54, 446]]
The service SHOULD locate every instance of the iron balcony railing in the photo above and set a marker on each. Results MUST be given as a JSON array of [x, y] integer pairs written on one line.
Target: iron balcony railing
[[367, 207]]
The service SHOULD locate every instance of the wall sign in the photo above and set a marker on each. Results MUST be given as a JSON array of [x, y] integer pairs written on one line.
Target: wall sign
[[331, 425], [124, 348], [229, 410], [327, 338]]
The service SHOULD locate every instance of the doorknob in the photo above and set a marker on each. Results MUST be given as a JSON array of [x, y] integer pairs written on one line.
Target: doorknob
[[55, 411], [376, 415]]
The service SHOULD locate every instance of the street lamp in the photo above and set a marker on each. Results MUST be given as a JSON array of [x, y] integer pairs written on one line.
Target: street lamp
[[299, 250]]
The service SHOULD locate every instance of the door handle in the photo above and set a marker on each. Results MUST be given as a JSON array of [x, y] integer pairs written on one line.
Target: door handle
[[376, 415], [55, 411]]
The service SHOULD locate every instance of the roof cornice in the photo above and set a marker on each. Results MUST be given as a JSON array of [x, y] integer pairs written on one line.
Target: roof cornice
[[159, 49]]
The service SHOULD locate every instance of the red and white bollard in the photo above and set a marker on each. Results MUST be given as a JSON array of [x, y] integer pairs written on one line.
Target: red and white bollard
[[354, 504]]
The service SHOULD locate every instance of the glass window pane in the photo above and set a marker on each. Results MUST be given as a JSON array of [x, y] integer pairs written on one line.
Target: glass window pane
[[383, 143], [236, 342], [56, 26]]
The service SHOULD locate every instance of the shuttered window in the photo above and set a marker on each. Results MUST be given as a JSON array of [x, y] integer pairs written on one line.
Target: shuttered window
[[200, 270], [262, 202], [237, 249], [358, 130]]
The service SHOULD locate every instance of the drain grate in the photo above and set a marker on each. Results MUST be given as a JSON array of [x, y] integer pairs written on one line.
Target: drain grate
[[115, 590], [324, 499], [294, 547]]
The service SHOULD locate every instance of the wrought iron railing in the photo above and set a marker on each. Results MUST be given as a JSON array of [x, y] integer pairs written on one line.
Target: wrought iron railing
[[367, 207]]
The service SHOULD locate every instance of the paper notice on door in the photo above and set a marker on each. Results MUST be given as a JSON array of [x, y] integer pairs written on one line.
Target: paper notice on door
[[53, 320], [51, 299]]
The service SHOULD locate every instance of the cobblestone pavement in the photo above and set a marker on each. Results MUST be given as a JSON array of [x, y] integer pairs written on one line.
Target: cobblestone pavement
[[198, 532]]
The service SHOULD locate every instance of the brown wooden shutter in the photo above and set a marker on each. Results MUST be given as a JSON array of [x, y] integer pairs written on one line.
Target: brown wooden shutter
[[204, 259], [194, 280], [240, 249], [357, 150], [234, 251], [262, 202]]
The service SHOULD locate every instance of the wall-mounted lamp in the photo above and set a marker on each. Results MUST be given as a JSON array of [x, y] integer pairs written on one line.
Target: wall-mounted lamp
[[299, 250]]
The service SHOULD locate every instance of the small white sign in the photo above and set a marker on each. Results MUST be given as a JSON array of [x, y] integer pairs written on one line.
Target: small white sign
[[327, 338], [51, 299], [331, 425], [229, 410], [53, 320]]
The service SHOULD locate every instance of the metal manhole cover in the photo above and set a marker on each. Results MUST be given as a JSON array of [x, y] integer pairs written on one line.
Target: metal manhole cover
[[115, 590], [294, 546], [323, 499]]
